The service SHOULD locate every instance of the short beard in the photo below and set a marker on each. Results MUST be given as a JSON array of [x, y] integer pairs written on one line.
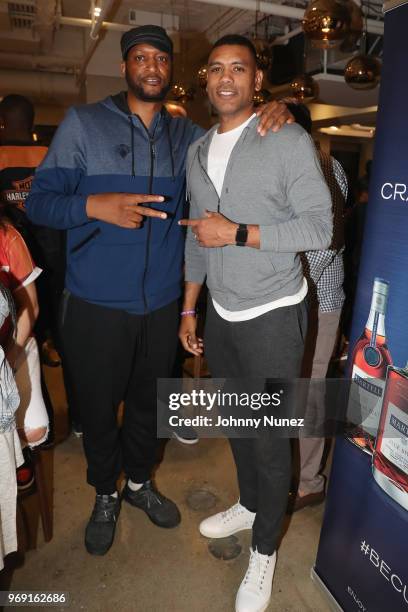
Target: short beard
[[140, 93]]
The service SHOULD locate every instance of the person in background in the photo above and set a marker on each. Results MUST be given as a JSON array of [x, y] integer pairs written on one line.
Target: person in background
[[354, 232], [114, 178], [356, 224], [19, 158], [10, 448], [254, 204], [324, 270], [18, 274]]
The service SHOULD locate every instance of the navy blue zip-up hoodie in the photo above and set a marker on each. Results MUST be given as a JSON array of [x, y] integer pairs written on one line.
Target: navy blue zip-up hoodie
[[103, 148]]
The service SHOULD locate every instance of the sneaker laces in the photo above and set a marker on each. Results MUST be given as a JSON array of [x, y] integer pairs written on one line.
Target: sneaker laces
[[151, 496], [232, 512], [257, 568], [105, 509]]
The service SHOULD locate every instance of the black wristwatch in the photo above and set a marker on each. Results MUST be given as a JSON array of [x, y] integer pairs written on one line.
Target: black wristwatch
[[241, 236]]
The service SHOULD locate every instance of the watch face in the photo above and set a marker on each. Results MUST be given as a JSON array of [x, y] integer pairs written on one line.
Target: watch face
[[242, 235]]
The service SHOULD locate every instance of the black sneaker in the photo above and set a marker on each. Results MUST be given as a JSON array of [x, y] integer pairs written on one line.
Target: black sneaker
[[100, 530], [160, 510]]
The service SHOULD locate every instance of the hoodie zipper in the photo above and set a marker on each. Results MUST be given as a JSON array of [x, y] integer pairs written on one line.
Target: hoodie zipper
[[209, 181], [148, 220]]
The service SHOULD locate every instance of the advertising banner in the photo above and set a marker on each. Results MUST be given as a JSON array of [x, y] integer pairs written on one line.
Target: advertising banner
[[362, 555], [363, 552], [379, 338]]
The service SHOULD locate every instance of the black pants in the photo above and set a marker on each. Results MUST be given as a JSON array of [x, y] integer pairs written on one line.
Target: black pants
[[269, 346], [113, 356]]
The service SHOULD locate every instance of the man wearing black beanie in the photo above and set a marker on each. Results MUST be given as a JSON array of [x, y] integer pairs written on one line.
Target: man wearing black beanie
[[114, 178], [153, 35]]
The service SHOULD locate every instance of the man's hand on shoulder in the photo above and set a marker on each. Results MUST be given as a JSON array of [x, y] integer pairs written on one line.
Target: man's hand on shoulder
[[273, 115], [214, 230], [123, 209]]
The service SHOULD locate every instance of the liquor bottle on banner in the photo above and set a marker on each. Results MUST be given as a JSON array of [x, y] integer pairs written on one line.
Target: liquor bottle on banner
[[368, 371], [390, 460]]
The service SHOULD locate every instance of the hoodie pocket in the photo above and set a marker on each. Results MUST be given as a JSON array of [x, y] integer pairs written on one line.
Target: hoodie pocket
[[299, 317], [85, 241], [281, 261]]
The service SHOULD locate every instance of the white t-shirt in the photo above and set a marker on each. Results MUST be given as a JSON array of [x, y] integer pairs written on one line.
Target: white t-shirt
[[219, 153]]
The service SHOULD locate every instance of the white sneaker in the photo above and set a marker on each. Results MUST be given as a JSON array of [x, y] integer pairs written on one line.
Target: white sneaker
[[254, 594], [226, 523]]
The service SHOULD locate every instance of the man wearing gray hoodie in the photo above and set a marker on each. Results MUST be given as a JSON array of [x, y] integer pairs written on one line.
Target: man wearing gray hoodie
[[254, 205]]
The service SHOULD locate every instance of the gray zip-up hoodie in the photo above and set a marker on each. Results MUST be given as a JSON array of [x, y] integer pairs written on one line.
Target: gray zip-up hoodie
[[275, 182]]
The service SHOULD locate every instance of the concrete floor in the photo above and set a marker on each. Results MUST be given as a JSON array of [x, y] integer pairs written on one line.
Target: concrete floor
[[150, 569]]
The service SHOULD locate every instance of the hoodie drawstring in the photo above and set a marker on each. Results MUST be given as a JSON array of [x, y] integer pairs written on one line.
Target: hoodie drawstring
[[132, 132], [170, 150]]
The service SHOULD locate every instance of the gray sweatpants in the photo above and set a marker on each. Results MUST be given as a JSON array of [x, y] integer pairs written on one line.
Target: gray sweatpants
[[269, 346]]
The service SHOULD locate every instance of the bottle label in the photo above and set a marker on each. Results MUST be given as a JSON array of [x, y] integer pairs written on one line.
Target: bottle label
[[394, 445], [365, 400], [379, 303]]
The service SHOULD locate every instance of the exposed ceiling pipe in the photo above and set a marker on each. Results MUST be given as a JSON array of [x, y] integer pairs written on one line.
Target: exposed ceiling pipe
[[220, 25], [78, 22], [45, 23], [24, 61], [373, 46], [98, 24], [281, 10], [219, 19], [283, 40], [268, 8]]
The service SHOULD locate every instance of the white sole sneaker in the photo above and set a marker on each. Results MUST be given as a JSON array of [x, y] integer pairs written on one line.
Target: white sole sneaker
[[209, 534], [224, 524], [255, 591]]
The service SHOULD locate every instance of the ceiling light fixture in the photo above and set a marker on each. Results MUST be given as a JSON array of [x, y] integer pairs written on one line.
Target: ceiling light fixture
[[181, 94], [261, 44], [363, 71], [202, 76], [303, 86], [349, 44], [326, 22]]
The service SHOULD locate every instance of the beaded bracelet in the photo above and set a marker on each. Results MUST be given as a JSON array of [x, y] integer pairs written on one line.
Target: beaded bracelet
[[184, 313]]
